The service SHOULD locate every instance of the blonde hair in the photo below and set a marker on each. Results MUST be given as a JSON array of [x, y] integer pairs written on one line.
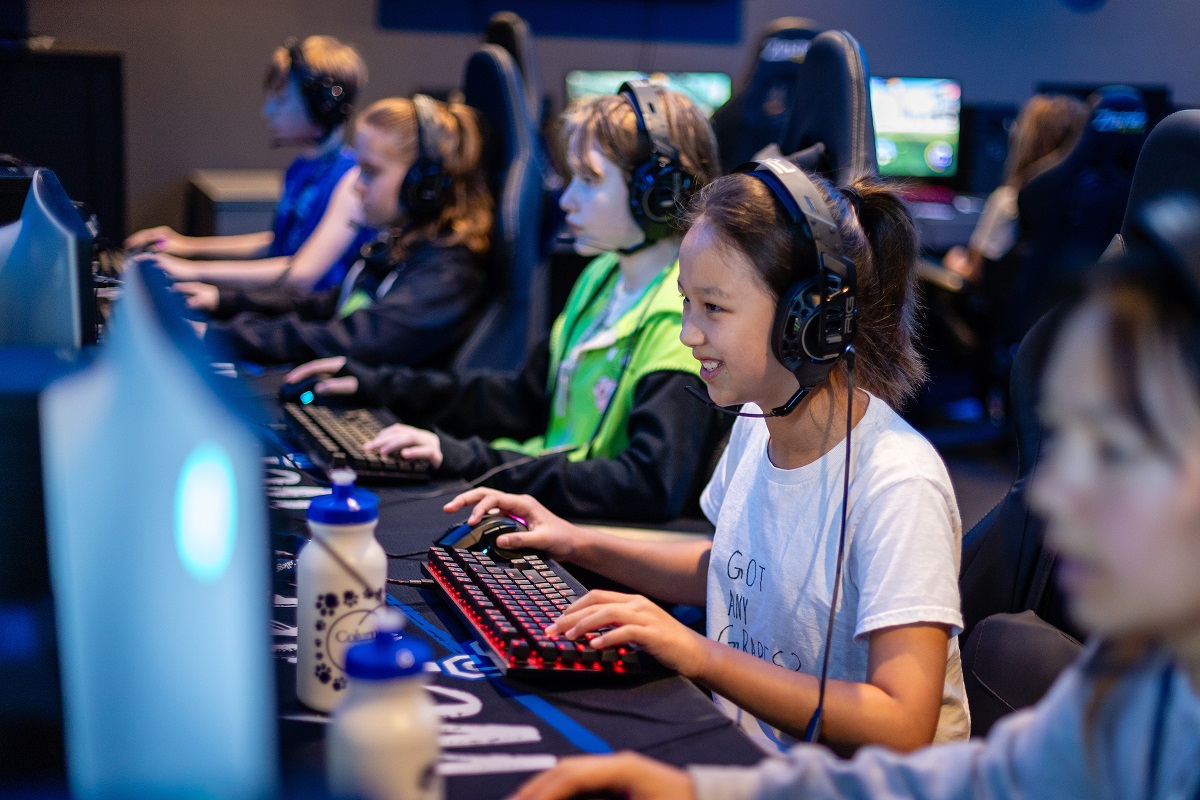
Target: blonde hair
[[455, 135], [324, 55], [607, 123], [1045, 131]]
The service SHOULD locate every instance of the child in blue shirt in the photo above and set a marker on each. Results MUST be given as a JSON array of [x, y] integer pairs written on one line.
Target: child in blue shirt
[[317, 231]]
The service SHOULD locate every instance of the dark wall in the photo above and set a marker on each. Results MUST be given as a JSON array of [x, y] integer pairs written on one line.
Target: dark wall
[[193, 69]]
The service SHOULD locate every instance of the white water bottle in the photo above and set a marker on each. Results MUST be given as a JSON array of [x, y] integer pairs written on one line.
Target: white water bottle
[[383, 741], [340, 578]]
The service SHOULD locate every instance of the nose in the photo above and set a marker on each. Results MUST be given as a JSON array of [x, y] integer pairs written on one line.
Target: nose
[[567, 201], [690, 334]]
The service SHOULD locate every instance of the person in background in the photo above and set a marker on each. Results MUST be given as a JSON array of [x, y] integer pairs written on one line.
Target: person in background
[[1119, 485], [317, 233], [413, 297], [597, 422], [1042, 136]]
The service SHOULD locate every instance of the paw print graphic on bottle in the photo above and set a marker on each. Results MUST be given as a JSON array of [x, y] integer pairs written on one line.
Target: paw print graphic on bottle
[[340, 578]]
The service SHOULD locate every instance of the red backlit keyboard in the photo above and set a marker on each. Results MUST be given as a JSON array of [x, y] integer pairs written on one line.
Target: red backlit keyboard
[[507, 606]]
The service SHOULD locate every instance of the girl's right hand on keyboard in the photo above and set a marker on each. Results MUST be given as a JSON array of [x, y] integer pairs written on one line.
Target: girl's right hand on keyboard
[[548, 533]]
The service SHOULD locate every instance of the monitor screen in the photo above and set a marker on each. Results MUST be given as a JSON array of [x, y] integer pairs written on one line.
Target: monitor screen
[[708, 90], [916, 126]]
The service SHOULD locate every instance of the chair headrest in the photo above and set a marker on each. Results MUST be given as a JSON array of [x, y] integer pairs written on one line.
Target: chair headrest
[[832, 106], [1114, 134], [1169, 162], [512, 32], [491, 86], [1025, 388]]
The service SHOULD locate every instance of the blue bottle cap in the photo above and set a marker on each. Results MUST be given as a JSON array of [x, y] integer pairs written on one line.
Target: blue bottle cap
[[387, 656], [347, 505]]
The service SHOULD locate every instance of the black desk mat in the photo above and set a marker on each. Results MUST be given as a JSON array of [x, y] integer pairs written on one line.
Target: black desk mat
[[497, 731]]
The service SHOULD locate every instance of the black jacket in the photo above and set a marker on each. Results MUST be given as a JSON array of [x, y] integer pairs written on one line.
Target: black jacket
[[658, 477], [420, 320]]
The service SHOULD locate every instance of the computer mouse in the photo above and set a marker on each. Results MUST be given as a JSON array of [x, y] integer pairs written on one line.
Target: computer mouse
[[481, 537], [302, 391]]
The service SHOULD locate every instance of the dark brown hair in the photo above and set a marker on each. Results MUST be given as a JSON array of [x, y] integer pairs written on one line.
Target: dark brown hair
[[879, 237], [467, 218]]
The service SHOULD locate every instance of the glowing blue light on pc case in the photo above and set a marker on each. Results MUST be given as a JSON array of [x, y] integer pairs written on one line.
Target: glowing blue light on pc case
[[205, 512], [159, 562]]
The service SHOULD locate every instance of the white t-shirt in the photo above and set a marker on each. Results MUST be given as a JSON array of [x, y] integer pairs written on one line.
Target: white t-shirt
[[770, 579]]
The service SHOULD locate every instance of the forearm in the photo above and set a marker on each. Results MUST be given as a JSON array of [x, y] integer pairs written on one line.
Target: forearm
[[240, 273], [855, 714], [676, 572], [240, 246]]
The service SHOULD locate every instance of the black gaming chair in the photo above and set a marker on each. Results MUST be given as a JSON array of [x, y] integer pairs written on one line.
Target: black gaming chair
[[1016, 635], [512, 32], [1069, 213], [1170, 161], [514, 319], [830, 128], [1004, 568], [756, 114]]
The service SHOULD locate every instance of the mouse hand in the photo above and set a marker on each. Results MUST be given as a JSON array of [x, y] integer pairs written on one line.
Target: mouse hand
[[160, 239], [547, 533], [634, 619], [321, 367], [408, 442], [628, 775]]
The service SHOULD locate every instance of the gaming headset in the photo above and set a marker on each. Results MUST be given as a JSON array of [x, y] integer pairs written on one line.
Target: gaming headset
[[659, 184], [329, 101], [815, 320], [427, 186]]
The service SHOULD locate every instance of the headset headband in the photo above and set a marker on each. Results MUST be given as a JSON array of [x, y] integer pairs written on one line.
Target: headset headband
[[653, 132], [423, 114], [813, 228]]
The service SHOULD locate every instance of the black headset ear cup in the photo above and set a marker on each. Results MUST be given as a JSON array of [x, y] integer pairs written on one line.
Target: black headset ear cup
[[426, 189], [658, 190], [793, 334], [328, 100]]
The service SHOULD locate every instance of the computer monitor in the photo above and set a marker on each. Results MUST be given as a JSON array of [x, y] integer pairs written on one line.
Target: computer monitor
[[708, 90], [46, 293], [916, 126], [158, 552]]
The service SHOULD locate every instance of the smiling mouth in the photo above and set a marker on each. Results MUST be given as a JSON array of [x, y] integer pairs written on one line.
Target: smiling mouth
[[708, 367]]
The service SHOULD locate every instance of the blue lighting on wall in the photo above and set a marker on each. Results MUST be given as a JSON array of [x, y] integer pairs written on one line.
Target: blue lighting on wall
[[206, 512]]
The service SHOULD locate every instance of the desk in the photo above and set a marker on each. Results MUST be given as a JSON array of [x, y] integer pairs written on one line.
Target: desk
[[517, 727]]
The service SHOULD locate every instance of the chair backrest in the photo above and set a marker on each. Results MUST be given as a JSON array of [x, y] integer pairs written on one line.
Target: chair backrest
[[830, 129], [514, 317], [1169, 161], [1005, 568], [1068, 214], [756, 114], [512, 32]]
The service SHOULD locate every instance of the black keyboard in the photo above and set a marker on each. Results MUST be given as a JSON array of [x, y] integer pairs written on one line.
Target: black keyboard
[[507, 606], [332, 435]]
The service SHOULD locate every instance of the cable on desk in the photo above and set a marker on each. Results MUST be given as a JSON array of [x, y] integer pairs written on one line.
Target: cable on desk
[[471, 484], [413, 554], [420, 583]]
